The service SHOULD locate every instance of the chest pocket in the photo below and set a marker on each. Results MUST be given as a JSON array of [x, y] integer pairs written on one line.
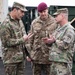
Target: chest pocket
[[62, 33], [15, 29], [41, 30]]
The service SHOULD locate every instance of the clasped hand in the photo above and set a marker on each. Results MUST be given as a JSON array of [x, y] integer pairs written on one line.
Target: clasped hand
[[49, 40]]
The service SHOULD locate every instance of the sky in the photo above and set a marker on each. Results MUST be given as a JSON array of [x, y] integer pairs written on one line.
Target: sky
[[49, 2]]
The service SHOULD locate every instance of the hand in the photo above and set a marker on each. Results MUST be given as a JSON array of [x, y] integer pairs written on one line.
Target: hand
[[53, 38], [45, 40], [28, 58], [30, 35], [26, 37], [48, 40]]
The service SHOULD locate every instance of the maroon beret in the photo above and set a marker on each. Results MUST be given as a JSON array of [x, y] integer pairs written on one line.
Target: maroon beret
[[42, 6]]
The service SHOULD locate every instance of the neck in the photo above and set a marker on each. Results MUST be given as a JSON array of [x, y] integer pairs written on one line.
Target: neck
[[12, 14], [63, 22]]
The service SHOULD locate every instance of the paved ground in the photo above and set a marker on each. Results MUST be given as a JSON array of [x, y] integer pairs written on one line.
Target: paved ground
[[28, 70], [1, 68]]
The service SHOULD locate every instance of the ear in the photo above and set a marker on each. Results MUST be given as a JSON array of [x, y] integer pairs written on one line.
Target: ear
[[62, 15]]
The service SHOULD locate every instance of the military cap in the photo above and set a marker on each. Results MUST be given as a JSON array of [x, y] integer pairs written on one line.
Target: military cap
[[42, 6], [62, 10], [20, 6]]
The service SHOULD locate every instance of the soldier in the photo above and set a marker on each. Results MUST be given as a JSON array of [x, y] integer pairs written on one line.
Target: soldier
[[62, 49], [13, 37], [41, 27]]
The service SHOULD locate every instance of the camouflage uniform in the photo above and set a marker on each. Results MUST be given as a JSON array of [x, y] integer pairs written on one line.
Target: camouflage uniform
[[61, 53], [11, 33], [39, 51]]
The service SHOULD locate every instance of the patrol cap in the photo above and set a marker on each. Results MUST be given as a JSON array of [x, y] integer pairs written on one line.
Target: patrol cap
[[62, 10], [20, 6], [42, 6]]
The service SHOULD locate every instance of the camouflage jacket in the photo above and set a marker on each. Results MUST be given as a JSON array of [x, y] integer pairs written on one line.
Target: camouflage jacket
[[11, 33], [39, 51], [62, 50]]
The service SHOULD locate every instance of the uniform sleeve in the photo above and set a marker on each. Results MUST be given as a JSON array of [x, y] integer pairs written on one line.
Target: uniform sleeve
[[67, 40], [29, 44], [7, 38]]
